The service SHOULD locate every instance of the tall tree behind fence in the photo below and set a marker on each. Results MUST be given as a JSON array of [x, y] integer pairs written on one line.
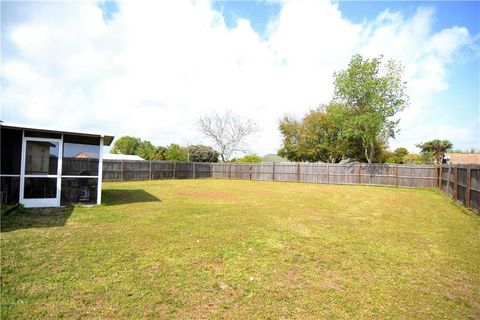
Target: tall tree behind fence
[[462, 182]]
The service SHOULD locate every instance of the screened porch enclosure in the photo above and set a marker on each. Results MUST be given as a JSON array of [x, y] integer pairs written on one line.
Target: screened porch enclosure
[[45, 168]]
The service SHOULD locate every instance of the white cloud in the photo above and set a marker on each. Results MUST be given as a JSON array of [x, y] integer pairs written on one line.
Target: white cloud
[[155, 67]]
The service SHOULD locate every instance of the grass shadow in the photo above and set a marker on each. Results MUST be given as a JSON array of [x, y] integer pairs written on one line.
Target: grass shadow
[[54, 217], [114, 197]]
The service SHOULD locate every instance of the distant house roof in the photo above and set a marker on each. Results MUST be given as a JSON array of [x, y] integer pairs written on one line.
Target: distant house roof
[[119, 156], [107, 139], [463, 158], [82, 155]]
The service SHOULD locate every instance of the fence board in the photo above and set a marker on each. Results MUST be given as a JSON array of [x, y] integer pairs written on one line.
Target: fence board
[[112, 170], [240, 171], [262, 172], [286, 172]]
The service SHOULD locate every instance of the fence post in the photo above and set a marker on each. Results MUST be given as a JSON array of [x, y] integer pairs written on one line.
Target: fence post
[[298, 171], [396, 175], [328, 174], [467, 185], [448, 178], [150, 170], [194, 170], [439, 172], [250, 172], [211, 170], [121, 172], [229, 171], [455, 181], [174, 169], [273, 172], [359, 173]]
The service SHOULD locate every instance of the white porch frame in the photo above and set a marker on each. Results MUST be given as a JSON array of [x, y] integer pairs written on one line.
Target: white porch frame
[[100, 173], [59, 139], [40, 202]]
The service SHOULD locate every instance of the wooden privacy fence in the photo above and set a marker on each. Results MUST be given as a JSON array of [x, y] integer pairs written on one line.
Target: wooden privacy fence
[[372, 174], [462, 182], [118, 170]]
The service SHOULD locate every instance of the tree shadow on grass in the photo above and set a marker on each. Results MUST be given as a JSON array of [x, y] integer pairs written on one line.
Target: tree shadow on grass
[[31, 218], [114, 197]]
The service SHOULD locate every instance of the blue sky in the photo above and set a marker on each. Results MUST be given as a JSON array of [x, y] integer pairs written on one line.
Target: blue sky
[[464, 86], [448, 13], [259, 13], [460, 103], [121, 67]]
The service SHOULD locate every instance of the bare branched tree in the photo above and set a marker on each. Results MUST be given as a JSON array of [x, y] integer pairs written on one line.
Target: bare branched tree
[[227, 131]]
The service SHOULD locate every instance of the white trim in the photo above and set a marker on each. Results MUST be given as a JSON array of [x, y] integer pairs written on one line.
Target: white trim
[[9, 175], [48, 202], [43, 139], [40, 176], [22, 170], [100, 172], [59, 171], [86, 177], [40, 202]]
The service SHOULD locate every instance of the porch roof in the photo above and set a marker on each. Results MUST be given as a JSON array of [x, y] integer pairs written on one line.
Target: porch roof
[[107, 139]]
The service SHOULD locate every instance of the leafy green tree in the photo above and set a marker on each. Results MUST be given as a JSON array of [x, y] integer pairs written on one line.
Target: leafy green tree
[[126, 145], [388, 156], [325, 137], [471, 150], [356, 152], [201, 153], [357, 123], [414, 158], [320, 136], [160, 153], [398, 156], [175, 152], [132, 145], [249, 158], [436, 148], [373, 96], [146, 150], [291, 130], [273, 158]]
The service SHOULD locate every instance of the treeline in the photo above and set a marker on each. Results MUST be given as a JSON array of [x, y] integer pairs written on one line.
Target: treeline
[[173, 152]]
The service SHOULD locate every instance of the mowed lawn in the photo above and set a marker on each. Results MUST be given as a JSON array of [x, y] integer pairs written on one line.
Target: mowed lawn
[[196, 249]]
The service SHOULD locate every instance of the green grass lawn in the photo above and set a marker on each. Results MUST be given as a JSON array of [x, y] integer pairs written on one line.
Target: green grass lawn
[[240, 249]]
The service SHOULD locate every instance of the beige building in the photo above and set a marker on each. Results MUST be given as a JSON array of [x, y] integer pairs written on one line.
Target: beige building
[[38, 154], [463, 158]]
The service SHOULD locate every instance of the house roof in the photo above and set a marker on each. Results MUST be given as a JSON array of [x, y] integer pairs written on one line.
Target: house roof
[[107, 139], [119, 156], [82, 155], [463, 158]]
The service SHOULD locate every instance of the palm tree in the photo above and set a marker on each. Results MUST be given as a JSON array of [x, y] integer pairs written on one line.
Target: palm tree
[[436, 148]]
